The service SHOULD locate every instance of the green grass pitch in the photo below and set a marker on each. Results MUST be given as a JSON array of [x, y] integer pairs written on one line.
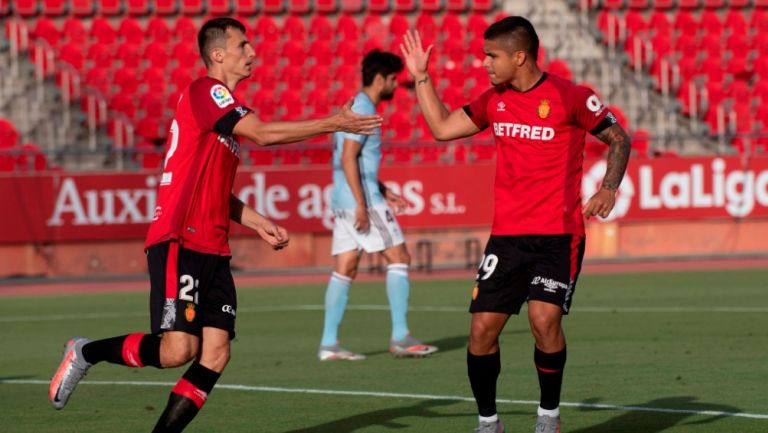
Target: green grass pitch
[[647, 353]]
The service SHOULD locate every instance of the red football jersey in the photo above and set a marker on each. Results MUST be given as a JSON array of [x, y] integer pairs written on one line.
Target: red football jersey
[[201, 159], [539, 137]]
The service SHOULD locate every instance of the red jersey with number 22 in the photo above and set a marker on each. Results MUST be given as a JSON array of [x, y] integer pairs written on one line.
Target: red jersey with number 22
[[200, 165], [539, 137]]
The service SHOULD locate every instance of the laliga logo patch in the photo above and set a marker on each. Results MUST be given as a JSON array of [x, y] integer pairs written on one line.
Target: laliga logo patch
[[544, 108], [189, 312], [221, 96], [594, 105]]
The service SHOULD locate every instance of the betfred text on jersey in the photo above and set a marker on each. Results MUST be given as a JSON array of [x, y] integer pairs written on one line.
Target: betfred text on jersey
[[517, 130]]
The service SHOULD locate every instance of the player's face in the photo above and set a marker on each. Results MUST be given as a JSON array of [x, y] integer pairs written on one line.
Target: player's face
[[390, 85], [239, 54], [501, 64]]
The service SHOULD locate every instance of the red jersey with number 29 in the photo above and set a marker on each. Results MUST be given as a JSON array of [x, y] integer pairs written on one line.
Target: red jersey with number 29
[[539, 137], [201, 159]]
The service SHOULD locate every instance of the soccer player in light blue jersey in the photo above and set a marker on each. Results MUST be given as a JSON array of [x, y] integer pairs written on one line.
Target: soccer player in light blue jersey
[[364, 220]]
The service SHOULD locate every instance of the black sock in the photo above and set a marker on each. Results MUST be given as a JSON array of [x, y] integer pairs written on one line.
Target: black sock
[[483, 372], [134, 350], [187, 397], [550, 368]]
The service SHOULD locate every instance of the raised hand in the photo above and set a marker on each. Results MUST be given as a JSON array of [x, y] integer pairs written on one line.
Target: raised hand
[[416, 59], [349, 121]]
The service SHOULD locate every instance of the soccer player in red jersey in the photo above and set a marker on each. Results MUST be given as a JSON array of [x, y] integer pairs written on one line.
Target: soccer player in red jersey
[[536, 246], [192, 300]]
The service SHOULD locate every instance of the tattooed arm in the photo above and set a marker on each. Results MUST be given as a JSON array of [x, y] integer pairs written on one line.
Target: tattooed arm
[[602, 202]]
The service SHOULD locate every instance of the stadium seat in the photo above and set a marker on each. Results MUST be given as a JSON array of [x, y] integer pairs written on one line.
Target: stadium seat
[[321, 53], [158, 30], [320, 28], [378, 6], [482, 152], [476, 25], [289, 156], [483, 6], [686, 45], [100, 55], [427, 27], [759, 20], [662, 5], [192, 7], [110, 8], [185, 54], [635, 23], [347, 28], [98, 79], [148, 155], [102, 31], [294, 29], [27, 8], [131, 31], [273, 7], [246, 8], [137, 7], [72, 53], [351, 6], [374, 30], [9, 136], [181, 77], [405, 6], [456, 6], [685, 24], [267, 29], [348, 52], [129, 55], [711, 23], [319, 155], [714, 4], [453, 97], [219, 8], [123, 102], [641, 142], [613, 4], [45, 28], [82, 8], [609, 24], [452, 28], [32, 158], [73, 30], [659, 24], [154, 79], [688, 4], [431, 6], [157, 54], [326, 6], [735, 22], [398, 25], [638, 4], [185, 29], [54, 8], [560, 68]]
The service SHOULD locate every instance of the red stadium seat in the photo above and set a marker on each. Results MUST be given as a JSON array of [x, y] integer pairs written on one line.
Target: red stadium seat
[[405, 6], [710, 45], [688, 4], [185, 29], [129, 55], [288, 156], [32, 158], [347, 28], [714, 4], [319, 102], [735, 22], [192, 7], [685, 24], [246, 8], [609, 24], [99, 79], [9, 136], [759, 45], [299, 7], [638, 4], [453, 50], [613, 4], [347, 76], [45, 28], [157, 54], [149, 155], [54, 8], [348, 52], [102, 31], [686, 45], [152, 104], [185, 54], [74, 31], [374, 29], [484, 6], [219, 8], [759, 20], [635, 23], [399, 127], [482, 152], [663, 4], [427, 27], [27, 8], [294, 29], [82, 8], [267, 29], [155, 80], [124, 103], [641, 142], [273, 7], [456, 6], [131, 31], [476, 25], [738, 45], [165, 7], [452, 28], [453, 97], [322, 155], [351, 6], [72, 53], [398, 25], [326, 6], [560, 68], [660, 24], [378, 6], [320, 51], [260, 156], [100, 55], [137, 7], [431, 6], [110, 7], [320, 28], [158, 30], [181, 77], [711, 23]]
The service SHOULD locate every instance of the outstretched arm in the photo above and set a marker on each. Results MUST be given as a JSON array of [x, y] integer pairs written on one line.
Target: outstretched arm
[[618, 155], [272, 233], [267, 133], [444, 125]]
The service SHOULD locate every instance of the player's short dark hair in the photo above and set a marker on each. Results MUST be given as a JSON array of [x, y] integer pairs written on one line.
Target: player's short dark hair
[[380, 62], [213, 33], [516, 32]]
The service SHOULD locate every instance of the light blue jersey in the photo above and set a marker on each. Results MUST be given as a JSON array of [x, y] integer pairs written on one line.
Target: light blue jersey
[[368, 162]]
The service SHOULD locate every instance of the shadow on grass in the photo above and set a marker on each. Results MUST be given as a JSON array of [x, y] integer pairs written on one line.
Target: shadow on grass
[[389, 419], [655, 422]]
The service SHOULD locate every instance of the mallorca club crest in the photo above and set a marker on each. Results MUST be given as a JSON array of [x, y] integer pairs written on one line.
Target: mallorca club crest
[[189, 313], [544, 108]]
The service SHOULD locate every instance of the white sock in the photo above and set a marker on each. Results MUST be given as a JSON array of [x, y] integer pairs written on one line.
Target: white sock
[[554, 413], [492, 418]]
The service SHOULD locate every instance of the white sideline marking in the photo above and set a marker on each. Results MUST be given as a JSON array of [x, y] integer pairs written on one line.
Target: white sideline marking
[[362, 307], [406, 395]]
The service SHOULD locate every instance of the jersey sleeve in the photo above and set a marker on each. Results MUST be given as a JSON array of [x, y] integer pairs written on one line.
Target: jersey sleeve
[[477, 110], [587, 110], [215, 107], [359, 107]]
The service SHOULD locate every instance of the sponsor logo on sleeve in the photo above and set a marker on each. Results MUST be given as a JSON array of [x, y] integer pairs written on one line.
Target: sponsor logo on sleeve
[[221, 96]]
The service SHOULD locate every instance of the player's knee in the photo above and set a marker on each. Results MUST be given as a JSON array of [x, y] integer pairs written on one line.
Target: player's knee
[[177, 357], [545, 329], [216, 360], [482, 339]]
